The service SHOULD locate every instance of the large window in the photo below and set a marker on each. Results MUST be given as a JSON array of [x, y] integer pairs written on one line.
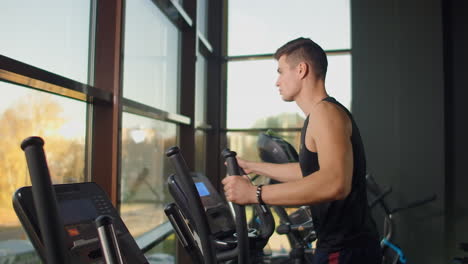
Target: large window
[[151, 62], [144, 172], [150, 121], [54, 36], [253, 101], [109, 121], [61, 122]]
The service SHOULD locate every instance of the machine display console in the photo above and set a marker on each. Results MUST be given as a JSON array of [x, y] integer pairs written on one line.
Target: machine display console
[[79, 204], [218, 213]]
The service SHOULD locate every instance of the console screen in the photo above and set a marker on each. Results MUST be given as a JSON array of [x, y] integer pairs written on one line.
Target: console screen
[[202, 190], [74, 211]]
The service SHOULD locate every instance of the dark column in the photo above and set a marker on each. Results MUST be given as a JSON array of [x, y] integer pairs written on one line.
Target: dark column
[[216, 94], [107, 117]]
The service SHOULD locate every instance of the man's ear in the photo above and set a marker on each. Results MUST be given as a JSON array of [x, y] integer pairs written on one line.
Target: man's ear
[[303, 69]]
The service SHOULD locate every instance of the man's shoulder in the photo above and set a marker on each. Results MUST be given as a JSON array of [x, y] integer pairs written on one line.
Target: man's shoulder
[[328, 116], [328, 111]]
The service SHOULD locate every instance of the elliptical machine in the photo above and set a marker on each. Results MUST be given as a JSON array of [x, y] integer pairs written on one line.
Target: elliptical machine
[[203, 220], [297, 226], [71, 223]]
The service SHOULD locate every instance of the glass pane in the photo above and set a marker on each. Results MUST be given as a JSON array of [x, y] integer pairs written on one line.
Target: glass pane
[[51, 34], [253, 99], [151, 64], [202, 17], [61, 122], [144, 171], [200, 90], [272, 23], [244, 143], [338, 80], [164, 252], [200, 151]]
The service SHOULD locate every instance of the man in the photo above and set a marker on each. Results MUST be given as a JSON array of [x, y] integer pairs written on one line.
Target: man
[[330, 175]]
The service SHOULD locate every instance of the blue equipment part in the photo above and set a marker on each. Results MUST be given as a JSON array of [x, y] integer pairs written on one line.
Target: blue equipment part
[[396, 249]]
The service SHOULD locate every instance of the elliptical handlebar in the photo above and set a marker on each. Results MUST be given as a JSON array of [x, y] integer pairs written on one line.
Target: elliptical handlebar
[[241, 222], [231, 161], [288, 227], [263, 211], [45, 202]]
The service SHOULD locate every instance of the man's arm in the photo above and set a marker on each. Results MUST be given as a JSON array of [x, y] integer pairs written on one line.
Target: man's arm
[[331, 134], [280, 172]]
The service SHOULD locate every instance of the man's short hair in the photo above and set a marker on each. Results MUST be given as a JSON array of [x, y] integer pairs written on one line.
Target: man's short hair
[[305, 50]]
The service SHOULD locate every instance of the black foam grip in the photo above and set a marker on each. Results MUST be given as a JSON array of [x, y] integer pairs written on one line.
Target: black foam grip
[[241, 223], [231, 162], [45, 202], [283, 228]]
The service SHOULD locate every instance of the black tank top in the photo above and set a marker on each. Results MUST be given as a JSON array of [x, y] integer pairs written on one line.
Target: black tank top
[[343, 223]]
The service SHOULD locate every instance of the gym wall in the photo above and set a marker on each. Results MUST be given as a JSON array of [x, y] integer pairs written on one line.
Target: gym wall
[[409, 87], [457, 132]]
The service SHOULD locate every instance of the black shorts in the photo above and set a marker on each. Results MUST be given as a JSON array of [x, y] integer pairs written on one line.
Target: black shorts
[[367, 255]]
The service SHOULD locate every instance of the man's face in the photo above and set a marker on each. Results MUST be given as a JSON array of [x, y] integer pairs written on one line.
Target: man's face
[[288, 79]]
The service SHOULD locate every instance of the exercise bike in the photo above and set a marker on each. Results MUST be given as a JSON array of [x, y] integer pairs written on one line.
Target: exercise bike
[[391, 252], [71, 223]]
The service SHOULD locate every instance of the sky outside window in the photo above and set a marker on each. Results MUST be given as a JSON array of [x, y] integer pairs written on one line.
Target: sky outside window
[[151, 63], [262, 26], [52, 35]]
